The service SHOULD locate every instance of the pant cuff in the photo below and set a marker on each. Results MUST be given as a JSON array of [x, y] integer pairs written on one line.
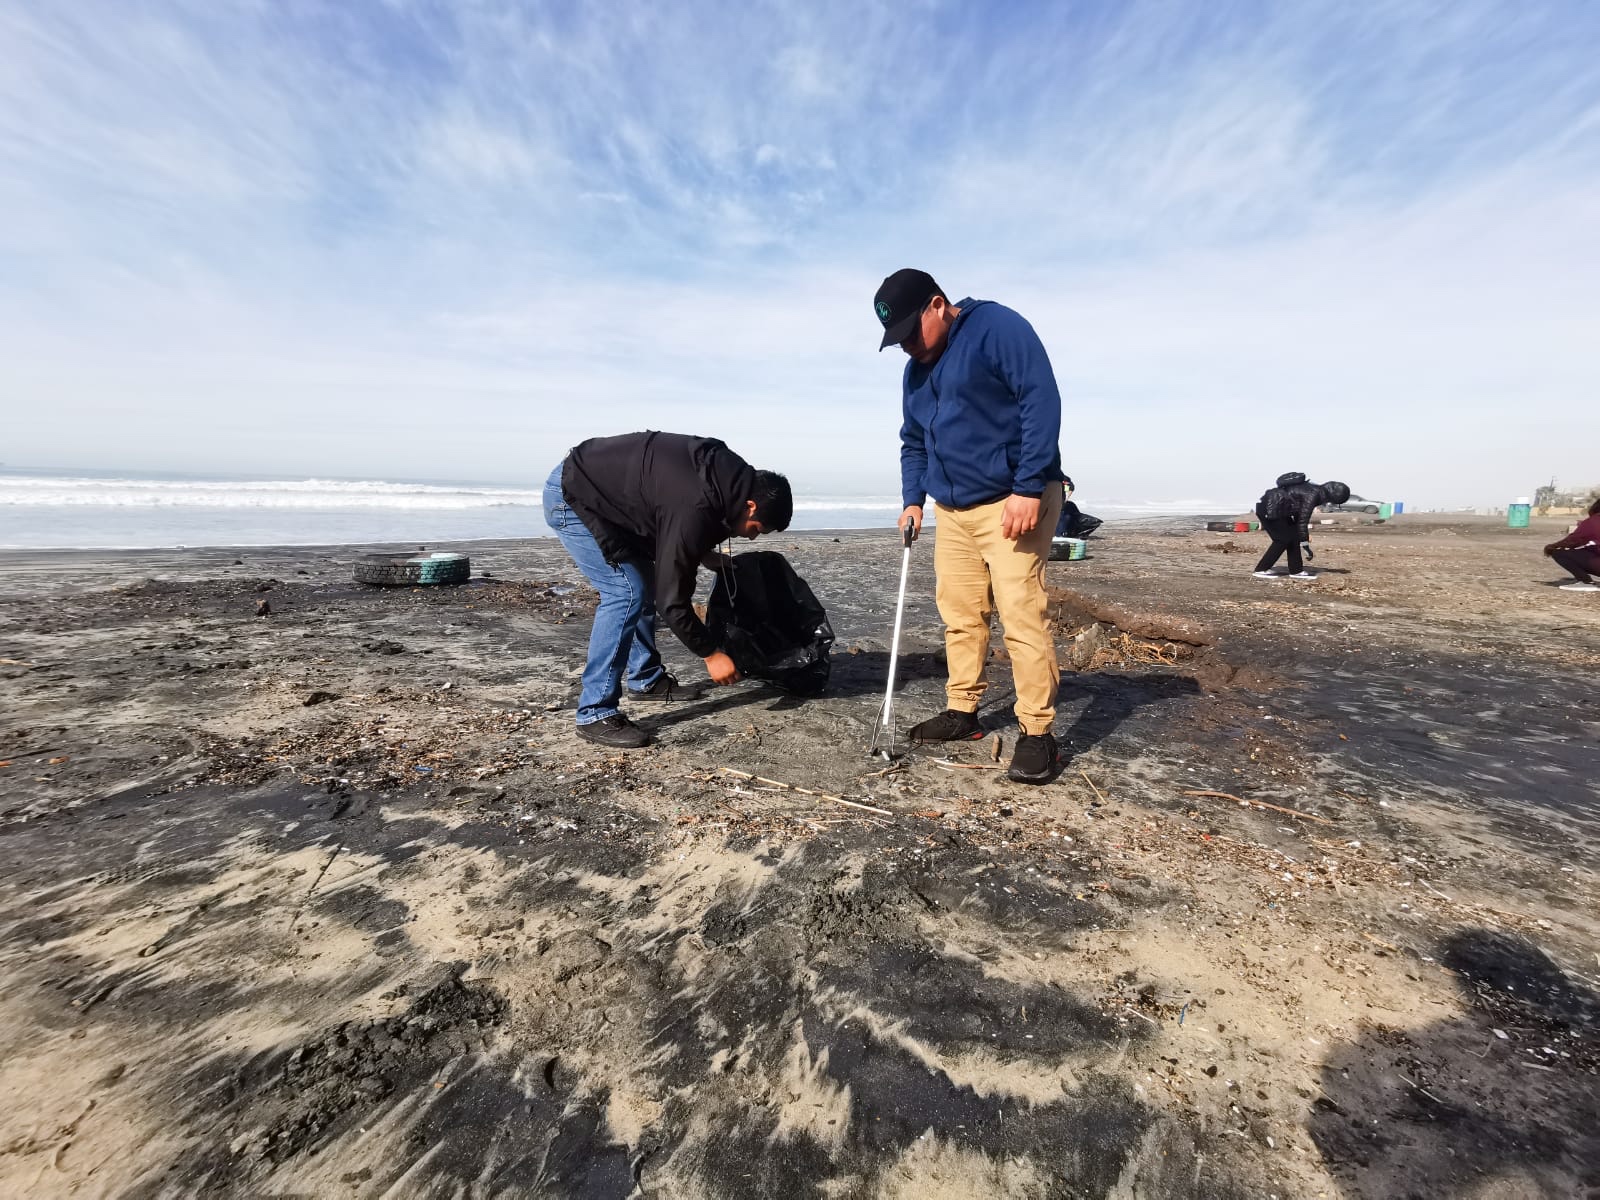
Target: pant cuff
[[644, 687]]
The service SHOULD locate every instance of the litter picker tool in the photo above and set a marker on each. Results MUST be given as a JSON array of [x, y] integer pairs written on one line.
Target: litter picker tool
[[883, 732]]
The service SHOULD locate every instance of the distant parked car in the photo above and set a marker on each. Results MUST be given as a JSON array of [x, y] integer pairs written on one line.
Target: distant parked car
[[1356, 503]]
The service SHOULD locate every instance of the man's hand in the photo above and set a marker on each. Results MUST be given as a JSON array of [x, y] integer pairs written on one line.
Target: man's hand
[[913, 516], [1552, 548], [1021, 516], [721, 669]]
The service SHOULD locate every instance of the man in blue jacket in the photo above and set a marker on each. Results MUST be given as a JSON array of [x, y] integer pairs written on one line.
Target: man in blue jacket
[[981, 418]]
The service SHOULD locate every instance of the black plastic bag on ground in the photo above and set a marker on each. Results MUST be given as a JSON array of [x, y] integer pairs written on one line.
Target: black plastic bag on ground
[[770, 623], [1073, 522], [1080, 526]]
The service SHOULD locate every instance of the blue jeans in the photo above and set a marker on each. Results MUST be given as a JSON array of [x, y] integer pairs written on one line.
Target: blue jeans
[[624, 633]]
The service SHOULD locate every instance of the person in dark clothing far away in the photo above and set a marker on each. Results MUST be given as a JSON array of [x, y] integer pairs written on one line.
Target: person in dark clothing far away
[[1579, 553], [980, 417], [1073, 521], [1069, 510], [640, 513], [1285, 513]]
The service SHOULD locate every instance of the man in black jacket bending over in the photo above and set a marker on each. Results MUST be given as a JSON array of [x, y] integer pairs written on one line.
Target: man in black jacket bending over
[[1285, 514], [639, 514]]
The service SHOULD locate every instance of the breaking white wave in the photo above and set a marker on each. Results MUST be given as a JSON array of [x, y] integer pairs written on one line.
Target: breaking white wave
[[59, 509], [57, 491], [1157, 508], [65, 490]]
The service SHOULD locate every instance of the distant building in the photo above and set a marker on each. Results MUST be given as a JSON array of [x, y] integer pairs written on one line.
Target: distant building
[[1552, 500]]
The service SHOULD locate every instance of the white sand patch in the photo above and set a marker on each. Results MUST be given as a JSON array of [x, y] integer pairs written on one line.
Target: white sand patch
[[809, 1103], [931, 1169], [630, 1114]]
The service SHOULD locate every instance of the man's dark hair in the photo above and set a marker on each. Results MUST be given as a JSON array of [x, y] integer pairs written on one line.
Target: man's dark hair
[[1594, 509], [774, 501]]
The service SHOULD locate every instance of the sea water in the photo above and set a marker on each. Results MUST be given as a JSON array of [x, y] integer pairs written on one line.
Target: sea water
[[101, 509], [127, 509]]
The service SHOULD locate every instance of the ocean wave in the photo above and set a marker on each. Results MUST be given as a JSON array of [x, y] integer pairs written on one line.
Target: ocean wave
[[270, 493], [68, 491], [1156, 508], [832, 503], [333, 494]]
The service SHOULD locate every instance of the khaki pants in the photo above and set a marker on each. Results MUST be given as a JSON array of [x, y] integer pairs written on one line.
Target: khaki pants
[[977, 571]]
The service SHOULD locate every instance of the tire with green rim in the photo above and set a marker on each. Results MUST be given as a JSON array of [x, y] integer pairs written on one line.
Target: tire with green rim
[[416, 570]]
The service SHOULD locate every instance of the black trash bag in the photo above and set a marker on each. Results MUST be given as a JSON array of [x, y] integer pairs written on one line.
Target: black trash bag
[[1075, 523], [769, 622]]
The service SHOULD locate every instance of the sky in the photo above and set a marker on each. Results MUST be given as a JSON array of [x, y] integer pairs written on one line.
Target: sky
[[419, 239]]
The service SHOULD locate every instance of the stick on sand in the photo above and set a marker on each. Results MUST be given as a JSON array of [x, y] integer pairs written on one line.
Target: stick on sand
[[790, 787], [1288, 812]]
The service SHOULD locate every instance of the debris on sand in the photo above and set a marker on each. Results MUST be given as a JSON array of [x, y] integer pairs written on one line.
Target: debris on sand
[[1288, 812], [790, 787], [689, 981], [1086, 645], [1071, 605]]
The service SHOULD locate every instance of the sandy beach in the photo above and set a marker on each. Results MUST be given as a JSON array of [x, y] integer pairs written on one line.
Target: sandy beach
[[332, 901]]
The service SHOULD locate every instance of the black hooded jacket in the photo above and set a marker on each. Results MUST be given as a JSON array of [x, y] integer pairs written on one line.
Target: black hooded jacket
[[1295, 499], [665, 499]]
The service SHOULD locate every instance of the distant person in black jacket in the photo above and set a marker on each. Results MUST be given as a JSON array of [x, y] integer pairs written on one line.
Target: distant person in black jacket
[[1073, 522], [1285, 513], [639, 514]]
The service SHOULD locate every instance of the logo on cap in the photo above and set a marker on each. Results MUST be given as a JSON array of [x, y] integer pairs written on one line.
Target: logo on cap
[[883, 311]]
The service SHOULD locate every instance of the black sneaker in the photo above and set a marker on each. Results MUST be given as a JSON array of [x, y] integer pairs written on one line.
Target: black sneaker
[[615, 731], [948, 726], [664, 689], [1034, 760]]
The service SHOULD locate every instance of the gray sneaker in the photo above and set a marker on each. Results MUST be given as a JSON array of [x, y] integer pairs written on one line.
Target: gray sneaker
[[1580, 586]]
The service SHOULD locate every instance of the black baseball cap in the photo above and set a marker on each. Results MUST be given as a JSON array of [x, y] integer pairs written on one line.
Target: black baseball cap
[[900, 301]]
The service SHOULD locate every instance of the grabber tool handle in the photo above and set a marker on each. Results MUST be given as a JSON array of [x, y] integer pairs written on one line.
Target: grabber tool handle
[[885, 724]]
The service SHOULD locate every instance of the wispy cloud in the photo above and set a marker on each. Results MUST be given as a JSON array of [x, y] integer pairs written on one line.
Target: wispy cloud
[[429, 238]]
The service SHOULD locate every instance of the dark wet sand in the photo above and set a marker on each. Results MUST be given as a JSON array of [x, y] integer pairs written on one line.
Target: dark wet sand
[[414, 938]]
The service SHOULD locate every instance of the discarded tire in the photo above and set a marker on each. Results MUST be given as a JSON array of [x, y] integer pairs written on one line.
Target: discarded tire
[[383, 570]]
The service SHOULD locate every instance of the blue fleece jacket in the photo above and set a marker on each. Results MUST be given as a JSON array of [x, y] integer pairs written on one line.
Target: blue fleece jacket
[[981, 422]]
